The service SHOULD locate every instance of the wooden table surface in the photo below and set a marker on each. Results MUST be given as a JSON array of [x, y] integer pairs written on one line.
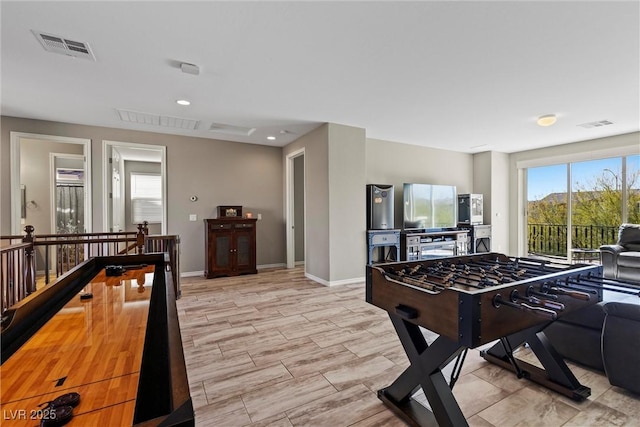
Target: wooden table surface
[[92, 347]]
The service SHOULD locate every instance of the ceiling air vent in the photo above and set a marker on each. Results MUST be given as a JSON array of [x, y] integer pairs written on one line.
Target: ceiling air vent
[[597, 124], [138, 117], [157, 120], [57, 44], [231, 129], [178, 122]]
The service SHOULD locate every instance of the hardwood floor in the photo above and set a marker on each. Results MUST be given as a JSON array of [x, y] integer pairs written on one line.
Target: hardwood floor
[[277, 349]]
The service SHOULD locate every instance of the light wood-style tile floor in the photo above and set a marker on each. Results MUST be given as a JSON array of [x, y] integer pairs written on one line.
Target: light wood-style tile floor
[[277, 349]]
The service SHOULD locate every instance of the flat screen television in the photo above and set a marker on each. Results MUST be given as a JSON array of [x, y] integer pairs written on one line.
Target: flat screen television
[[429, 207]]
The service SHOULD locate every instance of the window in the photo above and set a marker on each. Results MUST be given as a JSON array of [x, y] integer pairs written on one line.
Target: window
[[146, 198], [579, 206]]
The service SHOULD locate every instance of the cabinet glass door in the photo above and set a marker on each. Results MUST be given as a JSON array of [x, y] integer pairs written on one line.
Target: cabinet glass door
[[243, 249], [223, 251]]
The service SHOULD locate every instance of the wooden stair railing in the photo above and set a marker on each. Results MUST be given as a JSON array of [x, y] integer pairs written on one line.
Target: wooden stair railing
[[15, 268], [20, 254], [168, 244]]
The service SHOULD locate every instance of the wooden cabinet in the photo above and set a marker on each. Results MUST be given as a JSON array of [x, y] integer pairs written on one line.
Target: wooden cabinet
[[230, 245]]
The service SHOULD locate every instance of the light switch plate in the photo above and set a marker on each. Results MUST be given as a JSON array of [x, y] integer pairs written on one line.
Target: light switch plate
[[193, 217]]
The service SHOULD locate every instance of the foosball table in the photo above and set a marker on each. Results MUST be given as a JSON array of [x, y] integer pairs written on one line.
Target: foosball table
[[470, 301]]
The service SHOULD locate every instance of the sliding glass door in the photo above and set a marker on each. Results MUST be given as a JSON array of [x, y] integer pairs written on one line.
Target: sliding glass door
[[574, 208], [547, 210]]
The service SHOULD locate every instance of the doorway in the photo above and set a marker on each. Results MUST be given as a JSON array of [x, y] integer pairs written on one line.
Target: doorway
[[296, 208], [67, 193], [32, 200], [126, 204]]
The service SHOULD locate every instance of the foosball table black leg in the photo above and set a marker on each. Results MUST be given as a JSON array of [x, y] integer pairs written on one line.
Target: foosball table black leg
[[556, 375], [424, 371]]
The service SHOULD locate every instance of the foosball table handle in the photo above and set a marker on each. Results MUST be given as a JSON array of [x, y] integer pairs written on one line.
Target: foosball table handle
[[544, 312], [573, 294], [498, 301]]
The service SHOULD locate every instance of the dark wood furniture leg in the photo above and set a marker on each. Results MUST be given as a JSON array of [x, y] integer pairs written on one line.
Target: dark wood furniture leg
[[424, 371], [556, 375]]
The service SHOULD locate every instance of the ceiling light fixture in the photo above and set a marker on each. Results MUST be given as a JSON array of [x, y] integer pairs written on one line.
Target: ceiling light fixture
[[190, 68], [183, 102], [271, 138], [547, 120]]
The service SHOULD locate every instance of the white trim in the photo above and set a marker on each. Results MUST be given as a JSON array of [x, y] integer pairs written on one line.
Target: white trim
[[299, 263], [105, 176], [15, 138], [578, 156], [259, 267], [289, 205], [192, 273], [334, 282], [522, 213], [569, 174], [52, 192]]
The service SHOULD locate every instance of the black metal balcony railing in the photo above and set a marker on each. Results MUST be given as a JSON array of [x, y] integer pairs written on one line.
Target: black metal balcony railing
[[551, 239]]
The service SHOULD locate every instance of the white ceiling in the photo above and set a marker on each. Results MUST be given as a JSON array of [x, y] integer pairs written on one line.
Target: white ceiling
[[466, 76]]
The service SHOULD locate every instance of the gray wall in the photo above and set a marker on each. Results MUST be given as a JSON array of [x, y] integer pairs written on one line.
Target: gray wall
[[316, 152], [394, 163], [339, 160], [335, 202], [218, 172], [347, 202]]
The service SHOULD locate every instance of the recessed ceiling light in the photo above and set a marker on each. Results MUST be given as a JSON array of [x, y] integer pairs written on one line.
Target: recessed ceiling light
[[547, 120], [271, 138], [183, 102]]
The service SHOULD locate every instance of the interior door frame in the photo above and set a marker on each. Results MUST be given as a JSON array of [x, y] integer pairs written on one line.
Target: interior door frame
[[111, 188], [15, 138], [290, 206]]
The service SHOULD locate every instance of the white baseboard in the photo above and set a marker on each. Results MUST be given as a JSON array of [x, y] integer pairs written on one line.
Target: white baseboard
[[201, 272], [192, 273], [334, 282], [298, 263]]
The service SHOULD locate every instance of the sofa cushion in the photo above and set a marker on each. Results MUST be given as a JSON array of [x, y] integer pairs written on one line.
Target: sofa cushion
[[635, 247], [620, 334], [629, 259]]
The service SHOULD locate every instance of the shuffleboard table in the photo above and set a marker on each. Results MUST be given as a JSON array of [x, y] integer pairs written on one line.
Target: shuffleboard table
[[113, 338]]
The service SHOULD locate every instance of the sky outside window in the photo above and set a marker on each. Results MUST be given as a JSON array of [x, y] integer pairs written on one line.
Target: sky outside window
[[542, 181]]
